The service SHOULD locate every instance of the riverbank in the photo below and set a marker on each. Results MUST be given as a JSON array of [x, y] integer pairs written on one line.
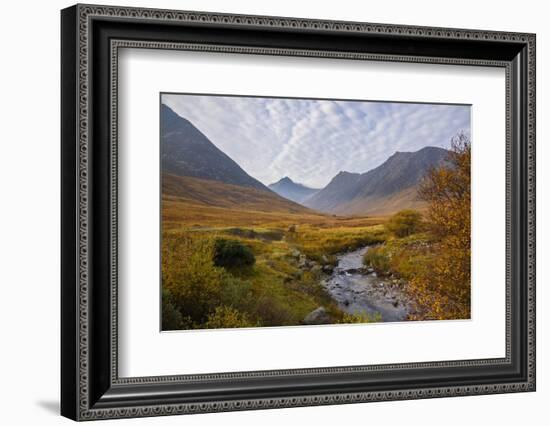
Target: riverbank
[[360, 291]]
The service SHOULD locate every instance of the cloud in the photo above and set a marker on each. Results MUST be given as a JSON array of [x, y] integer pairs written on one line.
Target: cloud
[[312, 140]]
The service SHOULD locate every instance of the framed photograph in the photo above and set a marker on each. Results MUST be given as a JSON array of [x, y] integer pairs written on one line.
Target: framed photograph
[[263, 212]]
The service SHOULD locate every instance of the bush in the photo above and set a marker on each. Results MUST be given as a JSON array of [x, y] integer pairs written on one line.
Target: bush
[[171, 316], [237, 293], [195, 285], [404, 223], [232, 254], [227, 317]]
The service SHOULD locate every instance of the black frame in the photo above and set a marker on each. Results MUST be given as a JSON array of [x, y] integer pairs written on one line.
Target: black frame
[[91, 37]]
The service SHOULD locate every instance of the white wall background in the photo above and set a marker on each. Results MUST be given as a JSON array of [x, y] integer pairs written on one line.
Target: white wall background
[[29, 214]]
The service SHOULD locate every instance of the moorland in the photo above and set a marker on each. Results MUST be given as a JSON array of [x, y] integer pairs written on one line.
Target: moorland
[[236, 253]]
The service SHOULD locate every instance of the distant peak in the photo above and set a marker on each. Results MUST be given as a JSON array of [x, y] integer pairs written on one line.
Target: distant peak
[[284, 180]]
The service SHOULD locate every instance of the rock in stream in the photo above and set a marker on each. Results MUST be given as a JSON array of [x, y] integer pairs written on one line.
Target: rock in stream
[[358, 291]]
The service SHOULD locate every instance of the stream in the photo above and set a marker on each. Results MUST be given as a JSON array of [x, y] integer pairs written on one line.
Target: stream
[[358, 291]]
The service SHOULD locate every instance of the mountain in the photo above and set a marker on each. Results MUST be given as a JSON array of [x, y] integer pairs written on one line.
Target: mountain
[[211, 193], [195, 171], [287, 188], [186, 151], [385, 189]]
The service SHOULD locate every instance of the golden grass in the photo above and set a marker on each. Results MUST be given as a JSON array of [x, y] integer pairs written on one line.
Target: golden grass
[[282, 292], [217, 194], [181, 212]]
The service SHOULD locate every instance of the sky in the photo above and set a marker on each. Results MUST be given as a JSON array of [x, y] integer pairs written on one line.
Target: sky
[[311, 140]]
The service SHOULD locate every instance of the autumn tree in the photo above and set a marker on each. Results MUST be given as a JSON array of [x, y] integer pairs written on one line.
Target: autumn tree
[[442, 290]]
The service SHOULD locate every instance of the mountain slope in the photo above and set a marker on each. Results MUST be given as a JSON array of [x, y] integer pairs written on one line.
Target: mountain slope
[[213, 193], [386, 189], [291, 190], [186, 151]]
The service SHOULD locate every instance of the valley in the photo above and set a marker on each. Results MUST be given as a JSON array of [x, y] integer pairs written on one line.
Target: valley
[[294, 252], [364, 248]]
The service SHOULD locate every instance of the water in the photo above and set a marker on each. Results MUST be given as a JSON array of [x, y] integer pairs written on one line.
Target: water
[[357, 292]]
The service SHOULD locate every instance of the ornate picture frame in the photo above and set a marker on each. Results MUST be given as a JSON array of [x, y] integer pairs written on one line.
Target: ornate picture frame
[[91, 37]]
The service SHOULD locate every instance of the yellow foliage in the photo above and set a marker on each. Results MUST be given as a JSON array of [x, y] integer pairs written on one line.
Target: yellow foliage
[[442, 288], [189, 275], [227, 317]]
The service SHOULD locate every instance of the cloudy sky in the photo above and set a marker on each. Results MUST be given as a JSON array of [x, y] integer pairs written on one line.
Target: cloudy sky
[[310, 141]]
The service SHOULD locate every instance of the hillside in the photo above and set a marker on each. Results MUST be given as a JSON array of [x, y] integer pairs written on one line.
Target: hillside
[[186, 151], [385, 189], [217, 194]]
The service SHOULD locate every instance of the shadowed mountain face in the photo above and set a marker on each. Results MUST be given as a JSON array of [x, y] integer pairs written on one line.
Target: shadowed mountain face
[[186, 151], [388, 188], [195, 171], [287, 188]]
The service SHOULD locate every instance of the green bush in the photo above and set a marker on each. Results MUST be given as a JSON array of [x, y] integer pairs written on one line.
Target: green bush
[[404, 223], [237, 293], [232, 254], [171, 316]]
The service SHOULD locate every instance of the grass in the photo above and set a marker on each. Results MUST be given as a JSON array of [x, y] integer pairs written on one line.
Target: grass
[[404, 257], [280, 292], [291, 245]]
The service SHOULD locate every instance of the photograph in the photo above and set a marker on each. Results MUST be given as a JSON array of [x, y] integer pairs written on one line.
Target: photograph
[[265, 208], [296, 212]]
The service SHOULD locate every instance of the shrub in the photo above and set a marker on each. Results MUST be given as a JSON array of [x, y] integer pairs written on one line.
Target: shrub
[[232, 254], [171, 316], [227, 317], [237, 293], [404, 223], [190, 276]]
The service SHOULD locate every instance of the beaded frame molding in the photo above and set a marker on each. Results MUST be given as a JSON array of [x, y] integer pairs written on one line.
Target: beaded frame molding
[[91, 38]]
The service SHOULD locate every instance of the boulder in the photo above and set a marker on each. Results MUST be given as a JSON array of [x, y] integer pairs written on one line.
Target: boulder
[[318, 316]]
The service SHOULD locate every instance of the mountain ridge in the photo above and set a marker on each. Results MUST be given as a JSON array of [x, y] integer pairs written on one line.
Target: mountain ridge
[[195, 170], [291, 190], [186, 151], [391, 186], [394, 180]]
